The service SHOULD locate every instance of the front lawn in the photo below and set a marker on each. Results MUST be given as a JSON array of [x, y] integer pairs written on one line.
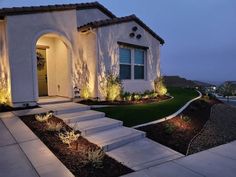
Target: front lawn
[[133, 115]]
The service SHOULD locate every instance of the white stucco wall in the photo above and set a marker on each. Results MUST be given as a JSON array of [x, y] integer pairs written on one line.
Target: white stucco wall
[[22, 34], [88, 60], [58, 66], [89, 15], [109, 53], [4, 63]]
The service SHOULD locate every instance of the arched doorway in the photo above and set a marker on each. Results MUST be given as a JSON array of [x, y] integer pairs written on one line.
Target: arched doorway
[[53, 66]]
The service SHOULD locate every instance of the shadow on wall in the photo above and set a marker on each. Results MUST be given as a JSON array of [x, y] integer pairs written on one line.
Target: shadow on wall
[[4, 69], [108, 59]]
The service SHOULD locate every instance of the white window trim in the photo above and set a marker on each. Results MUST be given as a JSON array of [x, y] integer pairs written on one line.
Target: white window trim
[[133, 63]]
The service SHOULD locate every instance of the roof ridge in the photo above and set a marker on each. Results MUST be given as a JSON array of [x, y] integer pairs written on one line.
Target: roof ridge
[[53, 7], [117, 20]]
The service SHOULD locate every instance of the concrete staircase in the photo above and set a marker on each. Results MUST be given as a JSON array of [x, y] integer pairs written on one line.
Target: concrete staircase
[[127, 145], [105, 132]]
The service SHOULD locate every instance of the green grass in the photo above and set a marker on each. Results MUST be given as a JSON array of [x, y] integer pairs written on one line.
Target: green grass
[[133, 115]]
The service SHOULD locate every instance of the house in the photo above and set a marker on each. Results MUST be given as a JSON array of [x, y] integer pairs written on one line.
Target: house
[[56, 50]]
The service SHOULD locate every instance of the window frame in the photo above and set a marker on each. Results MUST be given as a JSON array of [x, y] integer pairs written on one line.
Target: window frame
[[127, 64], [132, 64]]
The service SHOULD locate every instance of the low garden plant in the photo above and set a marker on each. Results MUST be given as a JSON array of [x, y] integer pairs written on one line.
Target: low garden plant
[[68, 137], [111, 87], [53, 126], [95, 158], [159, 86], [43, 117]]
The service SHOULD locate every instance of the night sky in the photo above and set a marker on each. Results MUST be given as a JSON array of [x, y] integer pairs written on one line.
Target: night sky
[[200, 35]]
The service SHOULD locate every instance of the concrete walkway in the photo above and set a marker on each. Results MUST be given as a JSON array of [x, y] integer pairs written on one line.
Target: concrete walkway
[[23, 154], [215, 162]]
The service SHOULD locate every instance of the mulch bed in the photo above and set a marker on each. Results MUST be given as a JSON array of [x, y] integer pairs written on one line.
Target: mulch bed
[[73, 158], [177, 132], [142, 101], [6, 108]]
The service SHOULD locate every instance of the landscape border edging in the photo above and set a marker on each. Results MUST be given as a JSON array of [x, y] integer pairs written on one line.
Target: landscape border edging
[[172, 115]]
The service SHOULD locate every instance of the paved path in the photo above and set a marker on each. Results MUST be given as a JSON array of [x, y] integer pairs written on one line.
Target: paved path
[[215, 162], [23, 154]]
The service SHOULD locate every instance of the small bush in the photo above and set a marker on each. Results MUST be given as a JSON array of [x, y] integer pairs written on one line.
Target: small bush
[[68, 137], [169, 128], [4, 93], [53, 126], [112, 87], [159, 86], [95, 158], [185, 118], [84, 92], [43, 117], [127, 96], [137, 97]]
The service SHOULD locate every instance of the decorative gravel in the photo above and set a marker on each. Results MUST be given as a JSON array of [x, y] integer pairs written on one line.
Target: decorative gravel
[[220, 129]]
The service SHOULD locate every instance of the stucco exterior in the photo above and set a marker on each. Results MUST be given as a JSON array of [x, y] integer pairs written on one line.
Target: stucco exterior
[[108, 57], [74, 58], [4, 62]]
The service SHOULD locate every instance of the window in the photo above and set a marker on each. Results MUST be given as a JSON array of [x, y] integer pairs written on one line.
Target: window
[[132, 63], [125, 63], [138, 64]]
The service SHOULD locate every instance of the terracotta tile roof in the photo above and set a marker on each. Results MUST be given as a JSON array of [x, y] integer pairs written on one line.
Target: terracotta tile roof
[[48, 8], [107, 22]]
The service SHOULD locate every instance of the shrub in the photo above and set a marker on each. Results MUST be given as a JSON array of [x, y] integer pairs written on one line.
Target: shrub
[[53, 126], [84, 92], [112, 87], [127, 96], [4, 94], [43, 117], [95, 158], [137, 97], [169, 128], [68, 137], [185, 118], [159, 86]]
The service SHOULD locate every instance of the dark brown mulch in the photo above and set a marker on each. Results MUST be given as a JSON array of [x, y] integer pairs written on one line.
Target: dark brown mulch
[[177, 133], [6, 108], [142, 101], [73, 158]]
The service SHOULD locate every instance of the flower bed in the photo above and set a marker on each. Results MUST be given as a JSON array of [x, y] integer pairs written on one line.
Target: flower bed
[[177, 133], [83, 159], [126, 102]]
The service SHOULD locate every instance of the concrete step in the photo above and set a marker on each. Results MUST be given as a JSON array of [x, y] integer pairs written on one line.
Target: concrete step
[[143, 153], [63, 108], [113, 138], [80, 116], [96, 125], [52, 100]]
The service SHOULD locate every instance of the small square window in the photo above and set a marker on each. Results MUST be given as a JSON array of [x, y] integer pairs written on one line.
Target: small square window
[[125, 71], [138, 72], [139, 57]]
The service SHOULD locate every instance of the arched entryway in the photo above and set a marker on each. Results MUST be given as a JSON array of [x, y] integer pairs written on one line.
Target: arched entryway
[[53, 66]]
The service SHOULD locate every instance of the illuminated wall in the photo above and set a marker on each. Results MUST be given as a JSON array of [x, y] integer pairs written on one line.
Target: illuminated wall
[[108, 59], [58, 67], [4, 66], [87, 63], [22, 43]]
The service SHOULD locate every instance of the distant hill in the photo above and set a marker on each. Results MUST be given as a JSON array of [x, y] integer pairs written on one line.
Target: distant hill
[[203, 84], [176, 81]]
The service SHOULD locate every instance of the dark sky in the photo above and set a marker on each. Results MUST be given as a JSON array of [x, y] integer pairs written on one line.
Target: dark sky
[[200, 35]]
